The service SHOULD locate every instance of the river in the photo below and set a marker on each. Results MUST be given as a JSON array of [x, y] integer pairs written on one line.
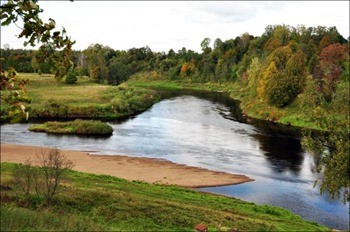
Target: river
[[208, 131]]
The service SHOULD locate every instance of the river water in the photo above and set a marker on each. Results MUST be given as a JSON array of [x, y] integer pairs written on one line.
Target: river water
[[208, 131]]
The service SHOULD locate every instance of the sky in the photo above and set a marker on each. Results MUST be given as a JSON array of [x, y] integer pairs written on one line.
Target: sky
[[165, 25]]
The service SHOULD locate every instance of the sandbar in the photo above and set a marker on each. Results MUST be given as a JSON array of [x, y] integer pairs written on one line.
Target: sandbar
[[149, 170]]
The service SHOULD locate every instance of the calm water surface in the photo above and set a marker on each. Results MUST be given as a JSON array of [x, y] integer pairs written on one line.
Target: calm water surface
[[209, 133]]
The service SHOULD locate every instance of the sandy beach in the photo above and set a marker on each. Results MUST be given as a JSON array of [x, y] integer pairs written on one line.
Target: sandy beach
[[131, 168]]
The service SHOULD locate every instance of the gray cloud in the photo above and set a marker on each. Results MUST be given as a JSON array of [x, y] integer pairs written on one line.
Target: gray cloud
[[229, 11]]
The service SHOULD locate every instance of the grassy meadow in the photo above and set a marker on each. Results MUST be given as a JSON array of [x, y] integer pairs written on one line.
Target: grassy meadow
[[100, 202], [49, 99]]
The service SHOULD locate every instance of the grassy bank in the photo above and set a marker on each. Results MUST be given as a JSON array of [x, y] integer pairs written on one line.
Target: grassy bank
[[50, 99], [98, 202], [300, 113], [82, 127]]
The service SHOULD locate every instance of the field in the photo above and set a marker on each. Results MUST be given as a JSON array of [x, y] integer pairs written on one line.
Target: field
[[49, 99], [99, 202]]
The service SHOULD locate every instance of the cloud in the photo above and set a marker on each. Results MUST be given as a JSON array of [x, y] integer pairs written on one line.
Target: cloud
[[175, 24], [229, 11]]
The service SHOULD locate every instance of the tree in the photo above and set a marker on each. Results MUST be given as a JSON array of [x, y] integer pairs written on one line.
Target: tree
[[53, 164], [331, 150], [331, 59], [12, 90], [253, 76], [45, 180], [34, 64], [188, 69], [278, 35], [33, 30], [218, 45], [97, 57], [324, 43], [117, 71], [205, 45], [284, 77]]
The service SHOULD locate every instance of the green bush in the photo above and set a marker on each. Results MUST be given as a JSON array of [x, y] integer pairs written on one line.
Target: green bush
[[282, 91], [71, 78]]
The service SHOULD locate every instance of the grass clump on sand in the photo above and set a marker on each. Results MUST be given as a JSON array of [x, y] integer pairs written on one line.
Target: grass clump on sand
[[100, 202], [83, 127]]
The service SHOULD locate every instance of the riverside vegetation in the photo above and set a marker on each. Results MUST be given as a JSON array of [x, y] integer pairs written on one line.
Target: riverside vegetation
[[291, 75], [83, 127], [48, 99], [100, 202]]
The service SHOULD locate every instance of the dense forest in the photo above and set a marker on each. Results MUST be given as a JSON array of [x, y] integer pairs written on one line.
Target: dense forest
[[275, 67]]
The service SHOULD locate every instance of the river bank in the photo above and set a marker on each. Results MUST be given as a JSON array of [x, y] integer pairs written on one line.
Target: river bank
[[131, 168], [298, 114], [89, 202], [48, 100]]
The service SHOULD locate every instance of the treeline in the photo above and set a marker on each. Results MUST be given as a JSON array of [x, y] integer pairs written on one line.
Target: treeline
[[274, 66]]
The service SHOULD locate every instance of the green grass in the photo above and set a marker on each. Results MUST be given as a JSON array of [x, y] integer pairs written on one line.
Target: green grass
[[21, 219], [50, 99], [83, 127], [176, 85], [99, 202]]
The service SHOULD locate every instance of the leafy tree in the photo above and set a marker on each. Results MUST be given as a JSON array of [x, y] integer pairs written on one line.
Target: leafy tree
[[188, 69], [34, 63], [331, 63], [324, 43], [310, 49], [97, 63], [253, 76], [331, 150], [34, 29], [284, 78], [314, 60], [118, 71], [205, 45], [279, 35], [171, 53], [222, 70], [218, 45]]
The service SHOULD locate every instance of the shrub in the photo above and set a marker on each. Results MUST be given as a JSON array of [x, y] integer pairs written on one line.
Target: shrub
[[71, 78], [45, 181]]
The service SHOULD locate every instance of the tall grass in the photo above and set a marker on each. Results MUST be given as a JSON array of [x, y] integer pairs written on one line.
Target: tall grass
[[21, 219]]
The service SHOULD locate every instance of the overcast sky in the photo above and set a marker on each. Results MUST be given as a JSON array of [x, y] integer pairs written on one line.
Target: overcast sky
[[176, 24]]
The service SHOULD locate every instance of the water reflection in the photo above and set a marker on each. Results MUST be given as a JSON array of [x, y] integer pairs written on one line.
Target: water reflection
[[283, 152]]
